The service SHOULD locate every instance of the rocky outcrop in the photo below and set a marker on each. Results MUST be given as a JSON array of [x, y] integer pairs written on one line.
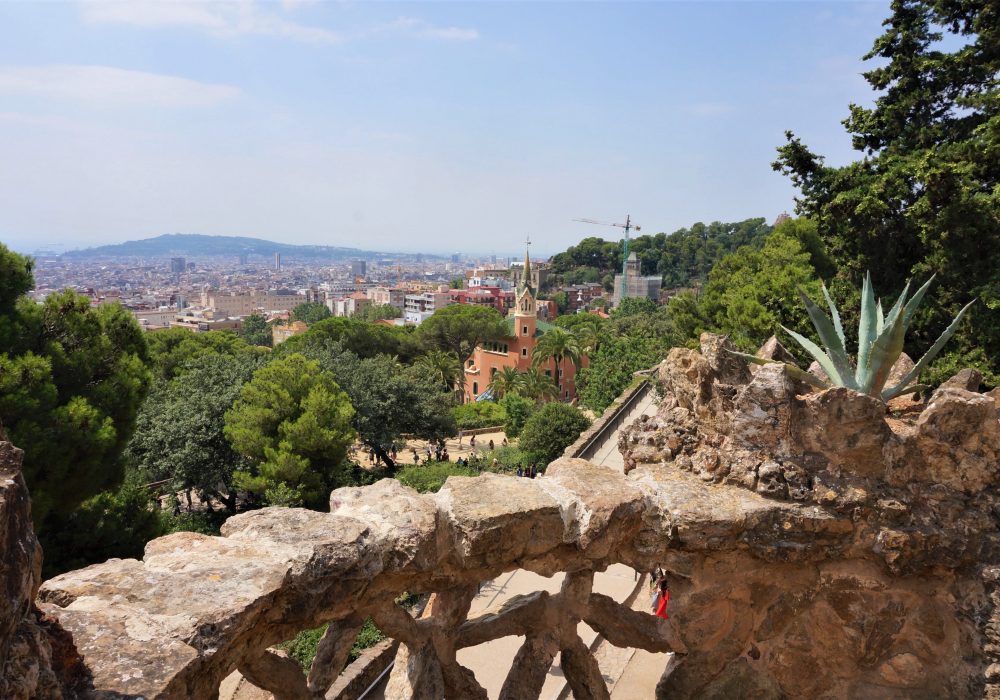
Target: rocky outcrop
[[892, 591], [27, 667]]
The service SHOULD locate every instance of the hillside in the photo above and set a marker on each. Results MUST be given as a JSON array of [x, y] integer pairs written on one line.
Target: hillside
[[683, 258], [199, 244]]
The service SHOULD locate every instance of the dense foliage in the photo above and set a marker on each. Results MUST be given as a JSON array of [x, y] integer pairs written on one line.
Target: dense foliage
[[683, 258], [72, 378], [429, 478], [377, 312], [459, 328], [114, 523], [550, 430], [256, 330], [924, 197], [172, 349], [292, 422], [311, 312], [751, 293], [479, 414], [359, 337], [179, 433], [516, 411]]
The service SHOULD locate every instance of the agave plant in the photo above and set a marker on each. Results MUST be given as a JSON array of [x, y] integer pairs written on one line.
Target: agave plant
[[880, 343]]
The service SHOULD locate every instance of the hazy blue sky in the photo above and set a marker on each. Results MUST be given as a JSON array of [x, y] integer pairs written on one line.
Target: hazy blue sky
[[410, 126]]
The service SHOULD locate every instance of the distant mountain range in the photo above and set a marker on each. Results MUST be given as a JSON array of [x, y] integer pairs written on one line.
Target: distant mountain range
[[194, 244]]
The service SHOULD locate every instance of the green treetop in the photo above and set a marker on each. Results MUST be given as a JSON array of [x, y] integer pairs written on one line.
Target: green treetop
[[293, 423]]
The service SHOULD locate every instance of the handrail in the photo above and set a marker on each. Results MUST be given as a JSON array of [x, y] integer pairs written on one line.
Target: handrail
[[609, 421]]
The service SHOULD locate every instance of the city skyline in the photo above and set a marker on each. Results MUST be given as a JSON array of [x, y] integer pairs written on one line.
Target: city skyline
[[412, 127]]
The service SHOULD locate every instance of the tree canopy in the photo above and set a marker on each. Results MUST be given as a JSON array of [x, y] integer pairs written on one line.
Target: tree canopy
[[293, 423], [459, 328], [359, 337], [172, 349], [377, 312], [683, 258], [390, 400], [256, 331], [72, 378], [180, 430], [311, 312], [924, 196], [550, 430]]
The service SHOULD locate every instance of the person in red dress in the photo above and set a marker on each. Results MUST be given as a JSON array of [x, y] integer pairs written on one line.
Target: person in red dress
[[662, 597]]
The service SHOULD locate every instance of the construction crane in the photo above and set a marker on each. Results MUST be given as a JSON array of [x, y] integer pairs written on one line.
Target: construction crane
[[628, 226]]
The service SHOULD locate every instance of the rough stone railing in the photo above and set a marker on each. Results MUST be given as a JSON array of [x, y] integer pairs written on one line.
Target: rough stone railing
[[197, 607]]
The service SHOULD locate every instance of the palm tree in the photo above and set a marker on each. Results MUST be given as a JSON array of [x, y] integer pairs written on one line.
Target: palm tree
[[588, 335], [538, 386], [557, 344], [507, 381], [445, 367]]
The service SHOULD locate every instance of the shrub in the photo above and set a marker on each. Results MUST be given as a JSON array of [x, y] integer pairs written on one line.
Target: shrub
[[553, 428], [115, 523], [517, 410], [481, 414], [428, 478], [508, 459], [303, 647]]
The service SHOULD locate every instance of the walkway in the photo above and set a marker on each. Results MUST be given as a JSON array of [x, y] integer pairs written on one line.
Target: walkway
[[607, 455]]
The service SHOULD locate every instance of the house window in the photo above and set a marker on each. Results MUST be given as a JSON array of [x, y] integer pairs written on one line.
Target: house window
[[524, 352], [475, 388], [548, 373], [524, 330], [493, 372], [472, 363], [560, 371]]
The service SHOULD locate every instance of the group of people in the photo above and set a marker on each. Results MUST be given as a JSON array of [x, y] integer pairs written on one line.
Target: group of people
[[529, 472]]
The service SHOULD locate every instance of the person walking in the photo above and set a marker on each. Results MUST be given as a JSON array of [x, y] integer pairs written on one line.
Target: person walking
[[460, 436], [661, 598]]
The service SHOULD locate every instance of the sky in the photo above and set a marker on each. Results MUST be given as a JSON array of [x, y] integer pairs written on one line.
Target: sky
[[437, 127]]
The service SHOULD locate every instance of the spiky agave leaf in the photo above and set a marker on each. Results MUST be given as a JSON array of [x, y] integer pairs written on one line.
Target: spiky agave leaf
[[914, 302], [867, 329], [928, 356], [890, 318], [885, 351], [793, 370], [835, 315], [832, 340], [821, 357]]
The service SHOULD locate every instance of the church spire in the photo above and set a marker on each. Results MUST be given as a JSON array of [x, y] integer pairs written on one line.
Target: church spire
[[526, 280]]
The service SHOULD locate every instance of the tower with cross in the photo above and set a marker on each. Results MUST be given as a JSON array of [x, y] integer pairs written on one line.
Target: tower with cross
[[525, 311]]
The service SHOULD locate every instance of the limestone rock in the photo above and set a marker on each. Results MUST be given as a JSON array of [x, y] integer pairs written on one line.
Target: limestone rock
[[728, 368], [26, 664], [900, 368], [772, 349], [818, 372], [968, 379]]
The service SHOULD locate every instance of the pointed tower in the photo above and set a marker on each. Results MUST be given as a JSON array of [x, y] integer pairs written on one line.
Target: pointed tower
[[525, 310]]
